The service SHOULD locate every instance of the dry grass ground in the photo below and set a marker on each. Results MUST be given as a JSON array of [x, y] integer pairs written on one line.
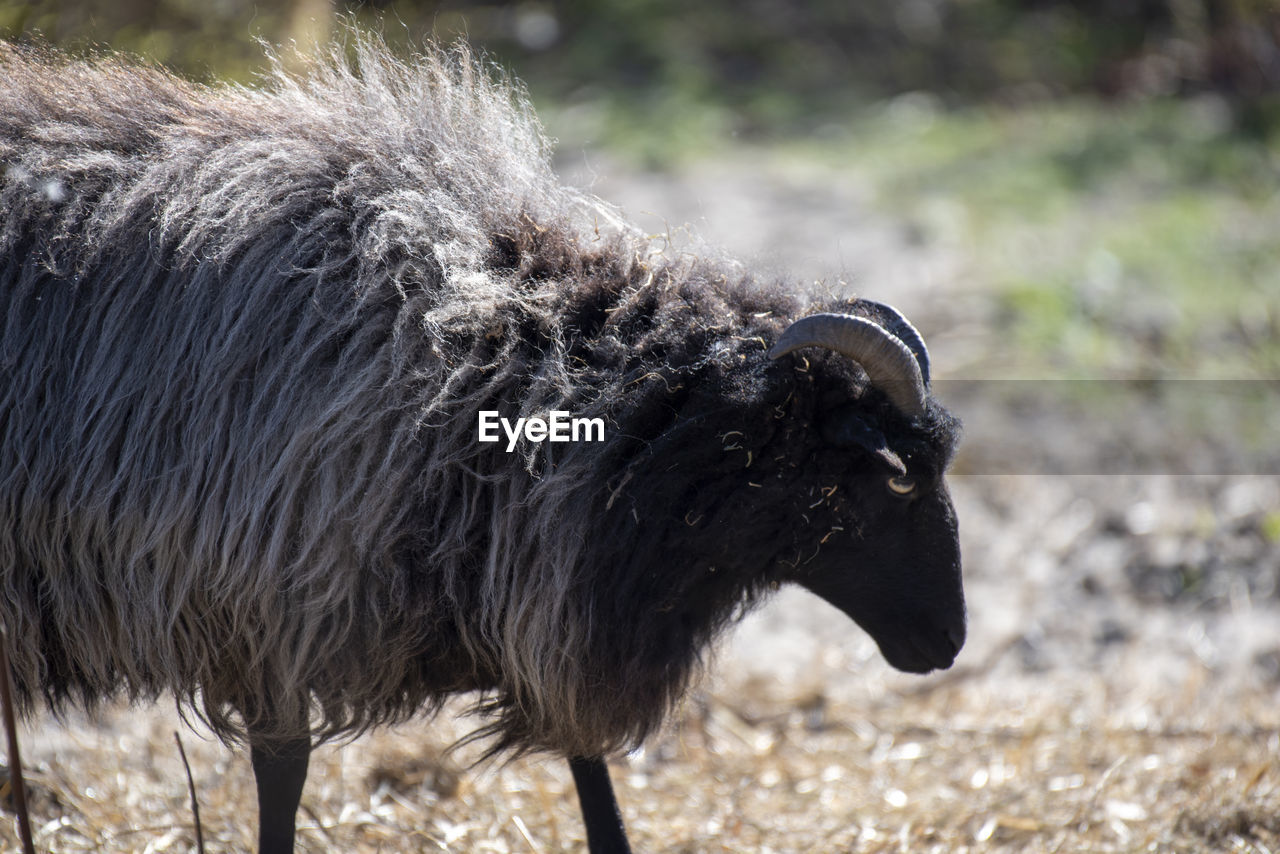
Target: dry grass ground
[[1083, 716], [948, 769]]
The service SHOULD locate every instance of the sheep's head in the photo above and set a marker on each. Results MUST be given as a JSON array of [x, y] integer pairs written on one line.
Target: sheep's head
[[821, 467], [882, 526]]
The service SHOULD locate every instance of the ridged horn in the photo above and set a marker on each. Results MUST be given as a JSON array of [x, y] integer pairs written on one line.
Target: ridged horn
[[891, 319], [890, 364]]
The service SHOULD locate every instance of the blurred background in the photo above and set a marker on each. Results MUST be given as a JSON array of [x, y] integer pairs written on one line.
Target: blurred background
[[1108, 171], [1079, 206]]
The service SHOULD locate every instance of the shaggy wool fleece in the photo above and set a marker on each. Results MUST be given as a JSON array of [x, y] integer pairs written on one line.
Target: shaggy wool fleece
[[245, 336]]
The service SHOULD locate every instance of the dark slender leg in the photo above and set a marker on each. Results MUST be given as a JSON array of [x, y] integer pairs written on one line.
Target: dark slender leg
[[600, 813], [280, 768]]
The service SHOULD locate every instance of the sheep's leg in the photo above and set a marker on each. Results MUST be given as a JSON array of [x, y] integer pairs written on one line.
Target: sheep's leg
[[600, 813], [280, 769]]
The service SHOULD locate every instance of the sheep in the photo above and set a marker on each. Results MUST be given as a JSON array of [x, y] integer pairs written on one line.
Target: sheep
[[246, 337]]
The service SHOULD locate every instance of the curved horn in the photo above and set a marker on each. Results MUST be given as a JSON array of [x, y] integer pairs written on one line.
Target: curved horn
[[891, 319], [889, 363]]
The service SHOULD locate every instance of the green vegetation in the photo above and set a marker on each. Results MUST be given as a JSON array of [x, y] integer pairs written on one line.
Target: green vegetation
[[1271, 527], [770, 61], [1121, 240]]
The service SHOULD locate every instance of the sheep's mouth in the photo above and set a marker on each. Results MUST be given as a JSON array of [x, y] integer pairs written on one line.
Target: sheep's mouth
[[913, 641], [922, 652]]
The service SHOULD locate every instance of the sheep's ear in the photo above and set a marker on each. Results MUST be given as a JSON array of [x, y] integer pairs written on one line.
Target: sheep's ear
[[847, 430]]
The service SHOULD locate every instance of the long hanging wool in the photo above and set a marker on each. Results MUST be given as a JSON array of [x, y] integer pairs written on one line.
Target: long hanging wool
[[245, 337]]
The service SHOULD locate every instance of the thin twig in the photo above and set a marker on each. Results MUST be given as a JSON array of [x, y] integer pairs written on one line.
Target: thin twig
[[191, 787], [15, 761], [524, 831]]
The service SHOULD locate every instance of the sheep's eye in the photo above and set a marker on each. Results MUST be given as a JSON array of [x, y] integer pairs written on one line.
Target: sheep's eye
[[902, 485]]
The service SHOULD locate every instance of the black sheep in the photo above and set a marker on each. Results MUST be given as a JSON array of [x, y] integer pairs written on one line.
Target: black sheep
[[246, 338]]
